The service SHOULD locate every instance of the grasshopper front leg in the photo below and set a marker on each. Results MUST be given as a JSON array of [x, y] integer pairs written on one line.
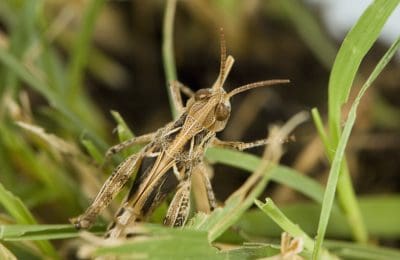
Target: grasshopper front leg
[[128, 143], [110, 189], [239, 145]]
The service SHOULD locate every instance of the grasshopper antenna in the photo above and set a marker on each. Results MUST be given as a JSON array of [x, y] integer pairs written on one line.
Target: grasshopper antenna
[[226, 63], [223, 56], [259, 84]]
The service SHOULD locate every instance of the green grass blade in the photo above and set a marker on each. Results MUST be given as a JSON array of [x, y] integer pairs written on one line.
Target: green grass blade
[[294, 230], [355, 46], [253, 251], [348, 250], [280, 174], [81, 48], [41, 232], [13, 64], [15, 207], [165, 243], [376, 210], [93, 150], [124, 133], [21, 214], [321, 130], [223, 218], [269, 208], [339, 154], [168, 50], [55, 99]]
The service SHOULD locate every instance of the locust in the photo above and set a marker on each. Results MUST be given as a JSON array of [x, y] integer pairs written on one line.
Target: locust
[[172, 158]]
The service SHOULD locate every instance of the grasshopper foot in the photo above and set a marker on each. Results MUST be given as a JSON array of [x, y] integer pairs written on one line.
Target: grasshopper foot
[[81, 223]]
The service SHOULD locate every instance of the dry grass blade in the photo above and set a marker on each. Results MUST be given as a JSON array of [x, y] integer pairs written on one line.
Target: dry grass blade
[[273, 152], [53, 141]]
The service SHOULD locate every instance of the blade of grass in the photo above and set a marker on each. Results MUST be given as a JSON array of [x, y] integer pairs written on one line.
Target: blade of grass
[[13, 64], [164, 243], [321, 130], [223, 218], [168, 50], [41, 232], [353, 49], [124, 133], [373, 207], [15, 207], [376, 210], [55, 99], [281, 174], [81, 48], [355, 46], [348, 250], [22, 215], [253, 251], [53, 177], [93, 150], [21, 38], [339, 154], [269, 208], [294, 230]]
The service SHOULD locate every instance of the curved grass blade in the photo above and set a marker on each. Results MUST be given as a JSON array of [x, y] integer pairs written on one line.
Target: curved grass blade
[[168, 49], [355, 46], [82, 47], [281, 174], [286, 224], [21, 214], [339, 154]]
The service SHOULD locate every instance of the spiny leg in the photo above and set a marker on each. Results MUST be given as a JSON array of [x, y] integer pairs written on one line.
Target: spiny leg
[[128, 143], [128, 214], [178, 210], [202, 189], [176, 89], [109, 190], [241, 145]]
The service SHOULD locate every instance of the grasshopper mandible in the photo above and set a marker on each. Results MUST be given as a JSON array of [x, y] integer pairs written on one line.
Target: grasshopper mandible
[[172, 156]]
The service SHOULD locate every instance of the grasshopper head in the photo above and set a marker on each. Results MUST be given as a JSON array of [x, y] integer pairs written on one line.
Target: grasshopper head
[[211, 107]]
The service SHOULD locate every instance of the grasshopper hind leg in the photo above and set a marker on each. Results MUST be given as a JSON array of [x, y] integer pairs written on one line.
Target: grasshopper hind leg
[[107, 193], [139, 205], [202, 188]]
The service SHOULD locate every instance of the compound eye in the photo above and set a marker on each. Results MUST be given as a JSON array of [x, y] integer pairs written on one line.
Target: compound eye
[[202, 94], [222, 112]]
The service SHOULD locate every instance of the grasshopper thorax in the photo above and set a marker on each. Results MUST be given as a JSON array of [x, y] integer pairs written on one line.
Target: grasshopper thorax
[[210, 108]]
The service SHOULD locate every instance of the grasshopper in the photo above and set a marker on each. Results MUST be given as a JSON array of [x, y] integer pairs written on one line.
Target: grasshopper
[[172, 157]]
